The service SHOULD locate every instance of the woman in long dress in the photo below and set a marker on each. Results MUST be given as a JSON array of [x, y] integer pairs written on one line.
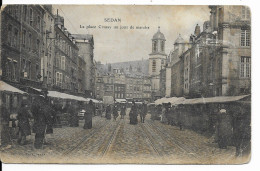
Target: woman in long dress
[[133, 114], [88, 115]]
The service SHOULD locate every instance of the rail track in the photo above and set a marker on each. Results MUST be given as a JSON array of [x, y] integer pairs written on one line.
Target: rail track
[[111, 140], [148, 136], [85, 138], [174, 141]]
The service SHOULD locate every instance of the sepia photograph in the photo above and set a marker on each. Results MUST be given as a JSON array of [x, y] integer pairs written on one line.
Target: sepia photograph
[[125, 84]]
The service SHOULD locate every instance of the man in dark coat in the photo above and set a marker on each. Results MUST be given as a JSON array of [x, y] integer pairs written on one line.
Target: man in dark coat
[[88, 115], [133, 114], [23, 123], [143, 112], [42, 118], [115, 112], [108, 112], [224, 127], [123, 111]]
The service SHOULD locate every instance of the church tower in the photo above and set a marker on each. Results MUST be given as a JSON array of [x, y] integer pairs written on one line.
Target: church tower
[[157, 59]]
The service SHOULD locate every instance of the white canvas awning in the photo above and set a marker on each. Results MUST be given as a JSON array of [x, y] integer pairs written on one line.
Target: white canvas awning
[[218, 99], [172, 100], [57, 94], [121, 100], [6, 87]]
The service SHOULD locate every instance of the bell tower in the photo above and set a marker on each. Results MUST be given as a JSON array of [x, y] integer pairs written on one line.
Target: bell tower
[[157, 59]]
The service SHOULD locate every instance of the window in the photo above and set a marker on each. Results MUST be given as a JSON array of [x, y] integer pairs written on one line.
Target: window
[[29, 69], [245, 38], [245, 69], [154, 66], [9, 35], [245, 13], [25, 12], [15, 38], [63, 62], [38, 22], [31, 16], [38, 47], [24, 37], [154, 46], [162, 46], [30, 42]]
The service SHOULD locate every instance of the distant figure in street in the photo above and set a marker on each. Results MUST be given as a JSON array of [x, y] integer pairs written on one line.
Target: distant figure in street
[[123, 111], [143, 112], [163, 115], [23, 123], [224, 127], [73, 112], [179, 111], [42, 119], [168, 114], [115, 112], [133, 114], [90, 108], [108, 112]]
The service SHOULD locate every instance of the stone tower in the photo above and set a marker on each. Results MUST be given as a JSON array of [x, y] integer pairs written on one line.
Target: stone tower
[[157, 59]]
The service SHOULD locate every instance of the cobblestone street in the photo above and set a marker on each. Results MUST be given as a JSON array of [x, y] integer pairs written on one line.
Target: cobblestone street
[[109, 141]]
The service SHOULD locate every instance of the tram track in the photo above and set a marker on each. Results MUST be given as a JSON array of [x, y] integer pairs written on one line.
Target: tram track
[[148, 136], [84, 139], [174, 141], [111, 140]]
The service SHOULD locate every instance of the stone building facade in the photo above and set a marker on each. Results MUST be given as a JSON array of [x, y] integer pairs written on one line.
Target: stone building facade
[[22, 28]]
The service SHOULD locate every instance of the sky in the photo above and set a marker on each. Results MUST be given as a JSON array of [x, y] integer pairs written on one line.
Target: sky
[[120, 45]]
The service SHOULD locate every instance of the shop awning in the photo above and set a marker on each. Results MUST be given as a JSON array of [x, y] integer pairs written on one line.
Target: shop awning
[[57, 94], [218, 99], [6, 87], [121, 100], [172, 100]]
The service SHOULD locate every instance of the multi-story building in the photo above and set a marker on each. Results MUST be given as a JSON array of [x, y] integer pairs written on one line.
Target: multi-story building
[[66, 56], [218, 62], [119, 84], [85, 43], [81, 75], [22, 44], [47, 61]]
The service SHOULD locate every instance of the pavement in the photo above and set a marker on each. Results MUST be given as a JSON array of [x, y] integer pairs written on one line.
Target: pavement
[[116, 141]]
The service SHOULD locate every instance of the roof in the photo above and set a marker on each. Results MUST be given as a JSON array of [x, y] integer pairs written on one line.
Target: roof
[[121, 100], [172, 100], [179, 40], [158, 35], [6, 87]]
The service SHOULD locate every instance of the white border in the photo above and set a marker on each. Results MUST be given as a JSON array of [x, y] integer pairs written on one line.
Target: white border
[[253, 165]]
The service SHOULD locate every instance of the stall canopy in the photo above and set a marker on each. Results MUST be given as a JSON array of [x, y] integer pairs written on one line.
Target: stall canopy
[[57, 94], [6, 87], [218, 99], [182, 100], [121, 100], [172, 100]]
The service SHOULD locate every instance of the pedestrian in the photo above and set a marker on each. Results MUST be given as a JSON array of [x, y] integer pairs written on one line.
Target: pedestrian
[[163, 115], [133, 114], [179, 111], [123, 111], [167, 113], [108, 112], [23, 123], [143, 112], [73, 112], [88, 115], [224, 127], [115, 112], [42, 117]]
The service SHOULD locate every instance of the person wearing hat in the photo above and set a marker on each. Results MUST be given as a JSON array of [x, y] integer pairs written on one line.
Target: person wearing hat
[[90, 108], [133, 114], [23, 123], [123, 111], [143, 112], [115, 112]]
